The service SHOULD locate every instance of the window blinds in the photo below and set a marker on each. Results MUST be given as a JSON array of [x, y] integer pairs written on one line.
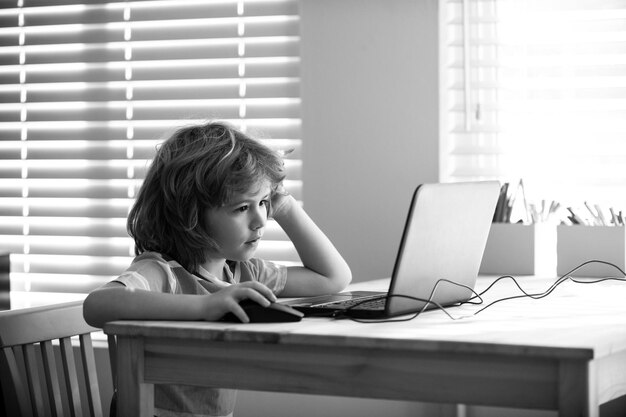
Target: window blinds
[[88, 90], [536, 89]]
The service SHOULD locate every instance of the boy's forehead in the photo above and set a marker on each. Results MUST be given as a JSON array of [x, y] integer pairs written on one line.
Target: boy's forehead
[[261, 188]]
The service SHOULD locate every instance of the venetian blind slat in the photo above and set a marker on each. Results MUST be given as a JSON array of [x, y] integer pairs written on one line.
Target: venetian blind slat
[[547, 96], [87, 91]]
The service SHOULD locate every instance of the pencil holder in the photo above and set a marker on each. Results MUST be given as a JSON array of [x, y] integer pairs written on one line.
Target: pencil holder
[[520, 249], [578, 244]]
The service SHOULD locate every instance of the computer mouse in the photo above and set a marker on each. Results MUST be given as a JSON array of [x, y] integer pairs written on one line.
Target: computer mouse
[[274, 313]]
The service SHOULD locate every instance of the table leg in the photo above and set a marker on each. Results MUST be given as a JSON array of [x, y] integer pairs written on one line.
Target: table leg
[[135, 397], [577, 393]]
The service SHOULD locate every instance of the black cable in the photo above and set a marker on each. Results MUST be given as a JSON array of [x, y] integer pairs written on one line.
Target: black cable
[[560, 280], [430, 300]]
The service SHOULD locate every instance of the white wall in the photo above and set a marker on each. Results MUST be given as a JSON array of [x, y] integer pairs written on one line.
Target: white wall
[[370, 120]]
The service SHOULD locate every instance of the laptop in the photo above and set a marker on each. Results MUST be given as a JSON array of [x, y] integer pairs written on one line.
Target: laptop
[[444, 238]]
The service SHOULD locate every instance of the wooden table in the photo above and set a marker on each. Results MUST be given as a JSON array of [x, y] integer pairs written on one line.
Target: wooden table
[[565, 352]]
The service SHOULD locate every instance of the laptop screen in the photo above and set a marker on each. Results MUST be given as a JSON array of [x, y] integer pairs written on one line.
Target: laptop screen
[[444, 238]]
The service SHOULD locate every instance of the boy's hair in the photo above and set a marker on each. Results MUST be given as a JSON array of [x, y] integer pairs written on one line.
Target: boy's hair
[[197, 168]]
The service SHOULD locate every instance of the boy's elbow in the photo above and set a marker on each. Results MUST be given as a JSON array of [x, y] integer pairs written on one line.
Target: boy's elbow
[[347, 276], [342, 278], [88, 313], [94, 308]]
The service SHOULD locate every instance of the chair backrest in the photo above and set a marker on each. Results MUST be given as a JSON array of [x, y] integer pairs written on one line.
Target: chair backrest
[[41, 383]]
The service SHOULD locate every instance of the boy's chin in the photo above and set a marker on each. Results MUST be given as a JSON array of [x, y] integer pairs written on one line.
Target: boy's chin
[[244, 256]]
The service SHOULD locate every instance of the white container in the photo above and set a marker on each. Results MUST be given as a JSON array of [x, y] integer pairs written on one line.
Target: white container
[[520, 249], [578, 244]]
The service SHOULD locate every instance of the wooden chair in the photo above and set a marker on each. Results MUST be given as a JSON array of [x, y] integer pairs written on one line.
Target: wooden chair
[[34, 379]]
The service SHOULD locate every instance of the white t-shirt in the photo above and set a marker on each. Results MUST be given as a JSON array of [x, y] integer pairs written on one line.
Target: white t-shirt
[[151, 271]]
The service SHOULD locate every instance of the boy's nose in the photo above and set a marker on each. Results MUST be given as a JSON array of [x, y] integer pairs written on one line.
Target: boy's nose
[[259, 220]]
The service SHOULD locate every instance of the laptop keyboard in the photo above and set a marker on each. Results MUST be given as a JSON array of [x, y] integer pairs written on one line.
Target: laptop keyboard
[[377, 303]]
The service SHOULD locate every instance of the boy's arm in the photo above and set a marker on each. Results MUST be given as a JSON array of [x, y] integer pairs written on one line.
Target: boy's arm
[[114, 301], [324, 270]]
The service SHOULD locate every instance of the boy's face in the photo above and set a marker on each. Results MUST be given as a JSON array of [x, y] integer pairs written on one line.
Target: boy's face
[[238, 226]]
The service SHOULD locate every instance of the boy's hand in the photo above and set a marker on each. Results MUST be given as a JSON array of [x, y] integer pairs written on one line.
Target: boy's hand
[[227, 300], [281, 202]]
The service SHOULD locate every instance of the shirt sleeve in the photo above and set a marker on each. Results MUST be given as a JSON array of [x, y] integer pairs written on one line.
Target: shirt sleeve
[[149, 274], [271, 274]]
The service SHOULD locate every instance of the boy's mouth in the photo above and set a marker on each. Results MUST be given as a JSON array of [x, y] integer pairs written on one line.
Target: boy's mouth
[[253, 241]]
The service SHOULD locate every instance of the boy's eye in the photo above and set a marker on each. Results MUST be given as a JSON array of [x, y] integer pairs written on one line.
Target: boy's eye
[[246, 207]]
